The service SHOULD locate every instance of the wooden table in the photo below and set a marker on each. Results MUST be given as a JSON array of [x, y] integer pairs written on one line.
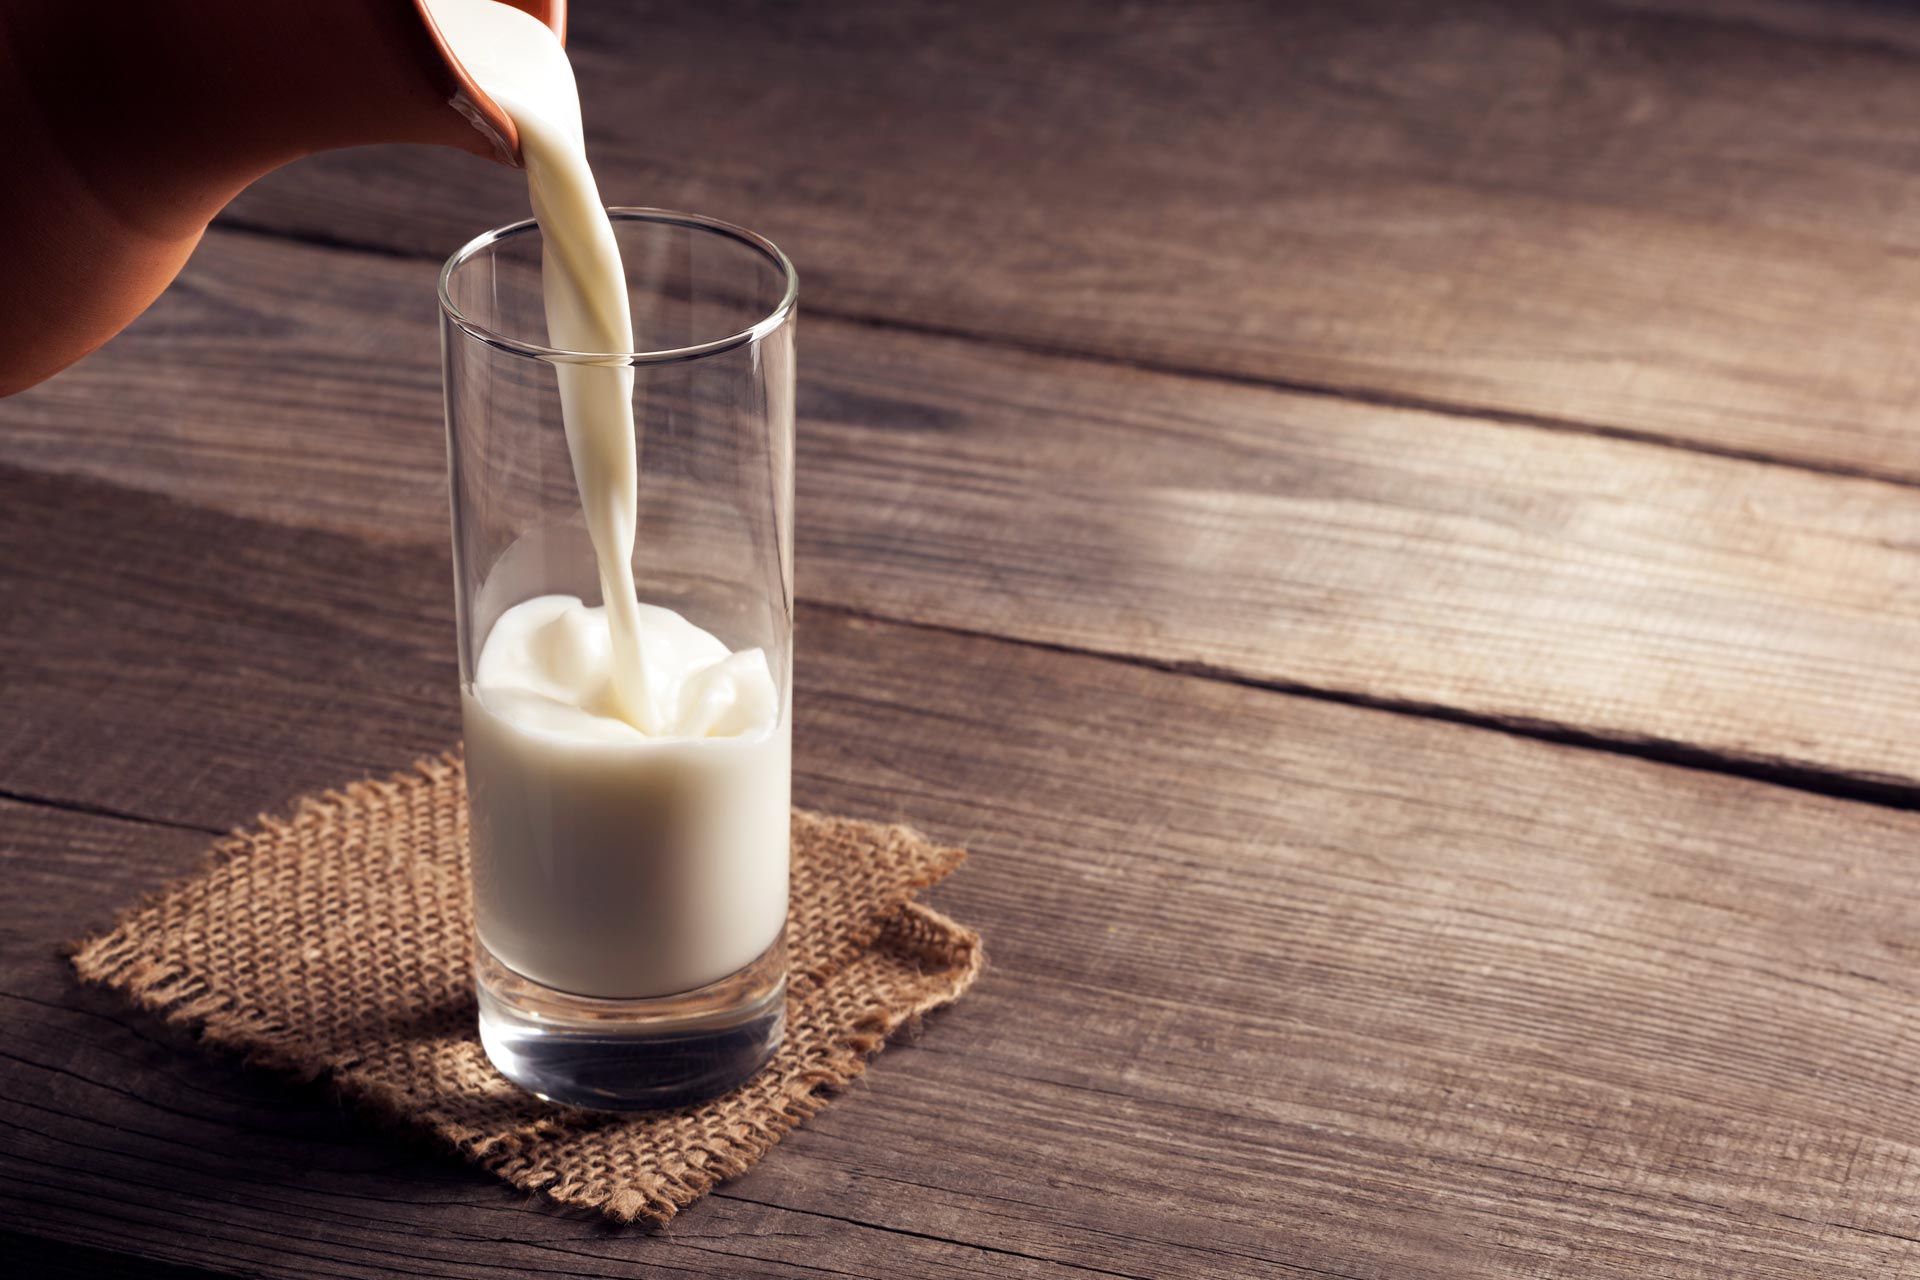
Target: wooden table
[[1390, 529]]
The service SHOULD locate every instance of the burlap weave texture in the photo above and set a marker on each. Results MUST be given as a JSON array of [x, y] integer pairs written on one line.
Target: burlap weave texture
[[337, 944]]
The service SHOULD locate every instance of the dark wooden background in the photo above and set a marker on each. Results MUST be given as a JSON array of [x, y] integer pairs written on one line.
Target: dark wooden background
[[1389, 528]]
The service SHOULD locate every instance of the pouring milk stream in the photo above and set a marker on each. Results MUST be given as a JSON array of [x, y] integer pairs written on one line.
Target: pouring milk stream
[[629, 774]]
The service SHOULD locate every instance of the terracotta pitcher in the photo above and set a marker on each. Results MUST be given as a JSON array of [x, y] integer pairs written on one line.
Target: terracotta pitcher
[[129, 123]]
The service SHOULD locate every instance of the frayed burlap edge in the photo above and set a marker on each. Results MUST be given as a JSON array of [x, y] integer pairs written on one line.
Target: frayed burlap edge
[[227, 1023], [182, 999]]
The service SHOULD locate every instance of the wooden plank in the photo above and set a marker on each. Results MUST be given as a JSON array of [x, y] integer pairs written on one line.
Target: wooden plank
[[1277, 986], [1687, 221], [114, 1130], [1600, 587], [1812, 25], [275, 657], [39, 1256]]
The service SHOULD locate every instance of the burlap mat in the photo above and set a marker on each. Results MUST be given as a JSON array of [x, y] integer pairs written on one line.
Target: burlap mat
[[338, 944]]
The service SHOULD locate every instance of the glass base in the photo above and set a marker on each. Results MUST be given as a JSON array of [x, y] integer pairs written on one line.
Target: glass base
[[632, 1055]]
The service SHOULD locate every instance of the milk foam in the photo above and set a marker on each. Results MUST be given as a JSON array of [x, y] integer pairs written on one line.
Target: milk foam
[[549, 667]]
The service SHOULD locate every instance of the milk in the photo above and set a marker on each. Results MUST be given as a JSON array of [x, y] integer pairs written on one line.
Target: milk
[[608, 861], [628, 774]]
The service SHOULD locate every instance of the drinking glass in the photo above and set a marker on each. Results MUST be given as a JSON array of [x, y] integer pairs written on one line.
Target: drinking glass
[[630, 897]]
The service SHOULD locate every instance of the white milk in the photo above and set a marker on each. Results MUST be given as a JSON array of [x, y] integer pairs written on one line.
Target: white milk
[[608, 861], [628, 775]]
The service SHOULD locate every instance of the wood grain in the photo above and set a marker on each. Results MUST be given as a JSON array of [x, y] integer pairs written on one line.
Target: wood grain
[[113, 1128], [1687, 221], [1277, 986], [1617, 591]]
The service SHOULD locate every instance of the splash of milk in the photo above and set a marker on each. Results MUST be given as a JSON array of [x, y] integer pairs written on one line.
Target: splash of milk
[[650, 675]]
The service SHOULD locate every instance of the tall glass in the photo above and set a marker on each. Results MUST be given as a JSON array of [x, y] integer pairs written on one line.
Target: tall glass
[[630, 897]]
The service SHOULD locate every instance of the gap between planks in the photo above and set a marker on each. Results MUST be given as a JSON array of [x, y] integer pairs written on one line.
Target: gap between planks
[[1888, 793], [1351, 394], [1885, 793], [1857, 786], [103, 811]]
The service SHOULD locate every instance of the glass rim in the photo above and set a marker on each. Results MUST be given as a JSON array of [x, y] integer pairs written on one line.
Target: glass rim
[[622, 213]]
